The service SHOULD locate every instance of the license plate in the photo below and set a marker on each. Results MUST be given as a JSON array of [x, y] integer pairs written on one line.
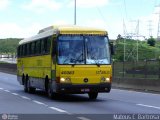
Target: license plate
[[85, 90]]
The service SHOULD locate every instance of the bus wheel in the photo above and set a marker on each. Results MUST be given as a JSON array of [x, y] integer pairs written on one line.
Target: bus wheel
[[50, 92], [27, 87], [93, 95]]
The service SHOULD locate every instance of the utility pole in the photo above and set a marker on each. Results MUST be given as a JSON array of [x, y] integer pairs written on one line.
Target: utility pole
[[158, 30], [75, 13], [137, 38], [134, 52], [150, 28], [124, 41]]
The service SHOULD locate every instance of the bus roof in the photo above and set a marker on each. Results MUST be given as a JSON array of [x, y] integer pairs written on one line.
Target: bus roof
[[64, 30]]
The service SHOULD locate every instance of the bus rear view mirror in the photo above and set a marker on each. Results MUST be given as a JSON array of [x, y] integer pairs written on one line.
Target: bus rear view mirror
[[112, 48]]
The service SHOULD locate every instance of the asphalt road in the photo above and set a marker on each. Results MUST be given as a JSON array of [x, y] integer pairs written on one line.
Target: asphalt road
[[14, 101]]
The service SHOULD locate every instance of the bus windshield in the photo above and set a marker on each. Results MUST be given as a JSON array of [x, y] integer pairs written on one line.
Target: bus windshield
[[78, 49]]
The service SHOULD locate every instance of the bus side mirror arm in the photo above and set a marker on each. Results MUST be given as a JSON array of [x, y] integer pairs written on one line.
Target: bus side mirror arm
[[112, 48]]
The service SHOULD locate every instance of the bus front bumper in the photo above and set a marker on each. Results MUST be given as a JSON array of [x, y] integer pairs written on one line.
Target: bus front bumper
[[77, 89]]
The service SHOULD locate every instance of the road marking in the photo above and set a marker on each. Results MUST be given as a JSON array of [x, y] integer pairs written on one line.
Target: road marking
[[40, 103], [14, 93], [83, 118], [57, 109], [6, 90], [145, 93], [148, 106], [27, 98]]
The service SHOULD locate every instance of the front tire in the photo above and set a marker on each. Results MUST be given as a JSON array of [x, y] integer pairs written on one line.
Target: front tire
[[93, 95], [50, 92]]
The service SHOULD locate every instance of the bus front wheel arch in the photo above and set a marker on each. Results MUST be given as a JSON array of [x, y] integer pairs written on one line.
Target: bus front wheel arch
[[51, 94], [46, 83], [23, 79], [27, 87]]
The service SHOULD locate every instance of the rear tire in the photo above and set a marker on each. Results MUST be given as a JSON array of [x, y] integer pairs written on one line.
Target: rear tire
[[93, 95], [27, 87]]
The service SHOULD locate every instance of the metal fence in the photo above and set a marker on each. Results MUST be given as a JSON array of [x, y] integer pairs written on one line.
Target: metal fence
[[149, 69]]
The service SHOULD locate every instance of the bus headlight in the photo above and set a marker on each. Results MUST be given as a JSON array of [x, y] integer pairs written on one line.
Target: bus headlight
[[62, 80], [104, 79], [65, 80]]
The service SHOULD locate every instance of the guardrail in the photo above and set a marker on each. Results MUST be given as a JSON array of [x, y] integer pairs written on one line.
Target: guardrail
[[131, 82], [148, 69], [8, 68], [137, 84]]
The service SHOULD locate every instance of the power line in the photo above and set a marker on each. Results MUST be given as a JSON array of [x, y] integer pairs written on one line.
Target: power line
[[158, 29], [100, 13], [75, 17], [125, 8]]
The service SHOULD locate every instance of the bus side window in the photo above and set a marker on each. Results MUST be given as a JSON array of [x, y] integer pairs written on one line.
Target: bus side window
[[22, 50], [33, 48], [48, 44], [25, 49], [29, 49], [42, 46], [18, 51], [45, 45], [38, 47]]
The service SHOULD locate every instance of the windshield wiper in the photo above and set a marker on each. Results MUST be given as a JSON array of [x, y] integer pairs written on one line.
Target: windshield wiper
[[65, 60], [77, 59], [97, 63]]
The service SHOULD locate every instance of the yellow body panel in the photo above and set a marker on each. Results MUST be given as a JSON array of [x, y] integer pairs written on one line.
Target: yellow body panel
[[38, 66], [79, 30], [79, 72]]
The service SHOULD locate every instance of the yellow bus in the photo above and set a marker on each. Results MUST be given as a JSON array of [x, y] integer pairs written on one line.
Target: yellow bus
[[66, 60]]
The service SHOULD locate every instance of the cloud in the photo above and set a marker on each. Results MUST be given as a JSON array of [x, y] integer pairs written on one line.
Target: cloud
[[106, 25], [98, 23], [61, 22], [89, 3], [4, 4], [41, 6], [8, 30], [13, 30], [148, 25]]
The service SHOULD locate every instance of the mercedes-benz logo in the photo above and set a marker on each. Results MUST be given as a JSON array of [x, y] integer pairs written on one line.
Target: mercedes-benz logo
[[85, 80]]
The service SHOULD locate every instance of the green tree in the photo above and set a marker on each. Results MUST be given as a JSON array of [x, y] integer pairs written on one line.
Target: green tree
[[151, 41], [9, 45], [119, 37]]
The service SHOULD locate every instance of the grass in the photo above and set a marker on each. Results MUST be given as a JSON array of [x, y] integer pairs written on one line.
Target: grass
[[144, 50], [2, 62]]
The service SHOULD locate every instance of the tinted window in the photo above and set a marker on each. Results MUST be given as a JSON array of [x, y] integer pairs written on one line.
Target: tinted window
[[38, 47], [32, 48], [25, 49], [42, 47], [48, 44], [18, 51]]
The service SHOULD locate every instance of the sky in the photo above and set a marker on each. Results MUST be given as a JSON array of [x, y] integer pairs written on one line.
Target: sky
[[24, 18]]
